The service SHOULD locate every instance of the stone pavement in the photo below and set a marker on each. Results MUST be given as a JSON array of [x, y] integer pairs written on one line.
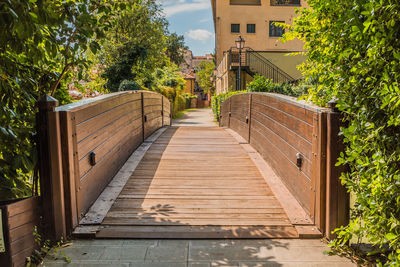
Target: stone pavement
[[202, 117], [198, 253]]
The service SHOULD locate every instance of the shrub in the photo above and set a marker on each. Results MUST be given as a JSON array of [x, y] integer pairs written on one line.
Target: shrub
[[353, 51], [217, 100], [127, 85], [179, 104], [262, 84]]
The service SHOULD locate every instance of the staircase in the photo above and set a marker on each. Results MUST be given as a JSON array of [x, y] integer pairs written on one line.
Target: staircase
[[254, 63]]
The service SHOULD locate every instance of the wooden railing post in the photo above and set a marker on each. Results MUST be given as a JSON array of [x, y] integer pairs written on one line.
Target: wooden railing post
[[318, 171], [50, 169], [337, 198], [162, 111], [249, 116], [142, 106], [171, 112], [229, 112]]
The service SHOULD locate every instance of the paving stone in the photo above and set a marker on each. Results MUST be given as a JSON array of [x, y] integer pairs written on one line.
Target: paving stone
[[158, 264], [224, 264], [173, 243], [291, 264], [231, 253], [139, 243], [86, 263], [173, 254], [306, 254], [261, 264], [98, 242], [210, 243], [126, 253], [199, 264], [83, 252], [133, 253]]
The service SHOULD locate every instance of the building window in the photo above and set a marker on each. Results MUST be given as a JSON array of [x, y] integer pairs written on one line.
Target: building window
[[246, 2], [251, 28], [285, 3], [274, 30], [235, 28]]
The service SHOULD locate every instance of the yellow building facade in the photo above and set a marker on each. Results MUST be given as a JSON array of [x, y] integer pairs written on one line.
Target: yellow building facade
[[255, 21]]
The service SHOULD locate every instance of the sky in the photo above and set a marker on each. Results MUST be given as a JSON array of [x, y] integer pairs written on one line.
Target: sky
[[192, 19]]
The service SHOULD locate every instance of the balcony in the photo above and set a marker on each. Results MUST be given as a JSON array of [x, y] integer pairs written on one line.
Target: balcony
[[285, 3]]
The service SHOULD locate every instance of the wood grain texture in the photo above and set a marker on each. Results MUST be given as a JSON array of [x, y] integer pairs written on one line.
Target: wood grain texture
[[282, 128], [196, 182], [111, 126], [19, 221]]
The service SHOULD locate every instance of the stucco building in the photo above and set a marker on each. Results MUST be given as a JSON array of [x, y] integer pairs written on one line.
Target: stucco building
[[264, 52], [189, 68]]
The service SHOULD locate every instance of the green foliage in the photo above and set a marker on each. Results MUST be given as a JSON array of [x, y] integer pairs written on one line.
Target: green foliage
[[169, 83], [122, 69], [262, 84], [205, 74], [217, 100], [179, 104], [137, 44], [62, 96], [127, 85], [353, 51], [168, 76], [41, 42], [175, 48], [46, 249]]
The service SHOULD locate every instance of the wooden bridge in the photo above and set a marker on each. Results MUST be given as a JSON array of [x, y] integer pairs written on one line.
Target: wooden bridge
[[114, 167]]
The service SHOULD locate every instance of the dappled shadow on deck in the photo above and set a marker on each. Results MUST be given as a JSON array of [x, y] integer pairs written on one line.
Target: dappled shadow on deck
[[196, 183]]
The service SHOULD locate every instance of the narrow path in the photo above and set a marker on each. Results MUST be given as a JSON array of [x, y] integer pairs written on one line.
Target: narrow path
[[202, 117], [196, 182]]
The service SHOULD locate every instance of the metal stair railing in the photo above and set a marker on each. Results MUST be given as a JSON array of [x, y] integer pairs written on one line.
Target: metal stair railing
[[257, 64], [262, 66]]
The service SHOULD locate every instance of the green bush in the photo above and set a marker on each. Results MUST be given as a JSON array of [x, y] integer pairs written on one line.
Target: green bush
[[127, 85], [262, 84], [179, 104], [217, 100], [353, 51]]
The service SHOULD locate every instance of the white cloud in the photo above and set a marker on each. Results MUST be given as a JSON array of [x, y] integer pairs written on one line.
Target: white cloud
[[205, 20], [178, 6], [200, 35]]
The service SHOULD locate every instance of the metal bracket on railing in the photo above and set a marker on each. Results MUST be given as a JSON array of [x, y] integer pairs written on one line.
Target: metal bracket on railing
[[145, 118], [247, 120], [299, 160], [92, 158]]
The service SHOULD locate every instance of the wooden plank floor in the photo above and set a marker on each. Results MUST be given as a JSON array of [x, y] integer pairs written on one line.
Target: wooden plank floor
[[196, 182]]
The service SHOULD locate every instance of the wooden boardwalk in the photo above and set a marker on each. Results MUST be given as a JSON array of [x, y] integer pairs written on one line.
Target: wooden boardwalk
[[196, 182]]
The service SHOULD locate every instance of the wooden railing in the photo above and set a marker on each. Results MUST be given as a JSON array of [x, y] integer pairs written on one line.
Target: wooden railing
[[301, 143], [84, 144]]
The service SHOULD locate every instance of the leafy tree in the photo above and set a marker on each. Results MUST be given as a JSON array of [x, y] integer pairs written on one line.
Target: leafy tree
[[135, 44], [176, 48], [205, 74], [122, 69], [353, 51], [41, 42]]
